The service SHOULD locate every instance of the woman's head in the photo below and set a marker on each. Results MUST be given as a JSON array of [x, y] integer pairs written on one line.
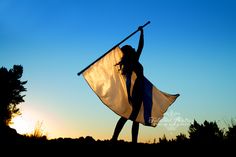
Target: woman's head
[[127, 49], [128, 53], [127, 60]]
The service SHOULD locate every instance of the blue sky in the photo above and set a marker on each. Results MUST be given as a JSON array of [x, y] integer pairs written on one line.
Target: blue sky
[[189, 49]]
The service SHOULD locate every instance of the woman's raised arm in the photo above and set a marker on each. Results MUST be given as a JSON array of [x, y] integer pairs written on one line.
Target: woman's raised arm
[[141, 42]]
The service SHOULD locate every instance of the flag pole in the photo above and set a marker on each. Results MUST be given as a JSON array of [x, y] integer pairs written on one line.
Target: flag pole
[[112, 48]]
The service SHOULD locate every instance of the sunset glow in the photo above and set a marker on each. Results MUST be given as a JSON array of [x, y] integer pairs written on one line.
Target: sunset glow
[[23, 125]]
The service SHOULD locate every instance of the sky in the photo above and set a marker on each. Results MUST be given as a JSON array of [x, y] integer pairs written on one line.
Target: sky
[[190, 49]]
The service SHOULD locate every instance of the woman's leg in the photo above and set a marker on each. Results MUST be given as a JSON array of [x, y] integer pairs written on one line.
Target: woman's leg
[[135, 129], [120, 124], [133, 116], [137, 99]]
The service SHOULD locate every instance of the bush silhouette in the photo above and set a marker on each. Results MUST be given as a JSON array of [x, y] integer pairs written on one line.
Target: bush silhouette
[[231, 133], [207, 133]]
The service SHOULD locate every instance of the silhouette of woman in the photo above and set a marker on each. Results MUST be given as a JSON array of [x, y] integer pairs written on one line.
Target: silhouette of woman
[[130, 63]]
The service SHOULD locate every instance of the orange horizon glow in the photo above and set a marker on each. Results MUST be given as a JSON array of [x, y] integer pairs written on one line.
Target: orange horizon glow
[[23, 124], [54, 126]]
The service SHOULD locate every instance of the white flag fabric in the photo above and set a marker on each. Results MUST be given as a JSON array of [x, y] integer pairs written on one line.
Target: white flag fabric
[[109, 84]]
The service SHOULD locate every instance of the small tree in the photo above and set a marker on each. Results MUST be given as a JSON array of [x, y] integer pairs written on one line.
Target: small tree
[[10, 93], [231, 133], [208, 132], [163, 140], [182, 139]]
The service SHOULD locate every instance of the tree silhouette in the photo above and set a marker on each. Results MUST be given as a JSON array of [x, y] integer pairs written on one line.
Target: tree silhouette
[[163, 140], [207, 133], [182, 139], [231, 133], [10, 93]]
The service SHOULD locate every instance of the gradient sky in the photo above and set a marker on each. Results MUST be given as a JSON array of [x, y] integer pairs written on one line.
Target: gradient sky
[[190, 49]]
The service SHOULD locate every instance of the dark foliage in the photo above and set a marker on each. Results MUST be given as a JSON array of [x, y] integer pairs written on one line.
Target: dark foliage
[[231, 133], [10, 93], [207, 133]]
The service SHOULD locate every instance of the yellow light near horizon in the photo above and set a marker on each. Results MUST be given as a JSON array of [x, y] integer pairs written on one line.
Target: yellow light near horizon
[[23, 125]]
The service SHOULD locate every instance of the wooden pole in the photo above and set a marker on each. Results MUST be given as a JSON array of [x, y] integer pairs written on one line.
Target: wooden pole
[[112, 49]]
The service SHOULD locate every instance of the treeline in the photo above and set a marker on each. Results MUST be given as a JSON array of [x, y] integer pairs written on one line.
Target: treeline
[[206, 133]]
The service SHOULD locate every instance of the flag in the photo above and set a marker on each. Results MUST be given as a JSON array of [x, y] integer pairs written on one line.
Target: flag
[[106, 80]]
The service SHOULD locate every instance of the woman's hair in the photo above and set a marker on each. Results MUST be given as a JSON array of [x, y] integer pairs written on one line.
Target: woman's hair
[[127, 60]]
